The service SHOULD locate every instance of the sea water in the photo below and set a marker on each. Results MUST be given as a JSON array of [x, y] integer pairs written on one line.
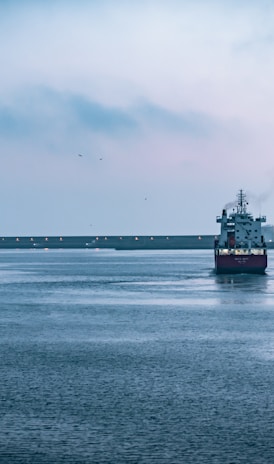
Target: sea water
[[134, 357]]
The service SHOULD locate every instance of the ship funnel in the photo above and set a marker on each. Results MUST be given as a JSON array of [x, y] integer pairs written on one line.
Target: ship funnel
[[224, 212]]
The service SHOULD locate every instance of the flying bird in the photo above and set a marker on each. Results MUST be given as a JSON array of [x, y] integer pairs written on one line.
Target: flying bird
[[79, 154]]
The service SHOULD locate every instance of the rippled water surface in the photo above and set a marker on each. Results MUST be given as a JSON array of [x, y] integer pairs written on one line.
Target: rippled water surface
[[134, 357]]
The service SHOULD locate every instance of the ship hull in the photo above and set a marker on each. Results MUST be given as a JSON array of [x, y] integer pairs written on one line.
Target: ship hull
[[248, 264]]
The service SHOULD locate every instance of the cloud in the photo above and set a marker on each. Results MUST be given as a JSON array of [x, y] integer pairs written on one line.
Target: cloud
[[191, 123], [32, 113], [12, 123], [97, 117]]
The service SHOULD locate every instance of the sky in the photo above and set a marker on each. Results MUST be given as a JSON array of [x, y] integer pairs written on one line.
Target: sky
[[168, 102]]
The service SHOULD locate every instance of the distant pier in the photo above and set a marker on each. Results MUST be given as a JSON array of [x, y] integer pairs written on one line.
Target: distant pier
[[122, 242]]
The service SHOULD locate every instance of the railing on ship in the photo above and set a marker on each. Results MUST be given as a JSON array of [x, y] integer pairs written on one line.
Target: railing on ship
[[241, 251]]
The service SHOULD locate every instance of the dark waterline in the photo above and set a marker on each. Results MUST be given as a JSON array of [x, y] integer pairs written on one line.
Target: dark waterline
[[134, 357]]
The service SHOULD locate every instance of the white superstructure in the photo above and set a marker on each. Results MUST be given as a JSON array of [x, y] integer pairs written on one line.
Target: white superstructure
[[239, 230]]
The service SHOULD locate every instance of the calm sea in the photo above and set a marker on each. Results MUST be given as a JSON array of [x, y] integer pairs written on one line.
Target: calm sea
[[134, 357]]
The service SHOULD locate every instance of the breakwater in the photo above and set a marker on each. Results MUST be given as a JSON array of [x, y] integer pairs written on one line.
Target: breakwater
[[134, 242]]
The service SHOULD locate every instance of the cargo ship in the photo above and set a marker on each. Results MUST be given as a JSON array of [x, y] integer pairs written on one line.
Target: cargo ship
[[240, 247]]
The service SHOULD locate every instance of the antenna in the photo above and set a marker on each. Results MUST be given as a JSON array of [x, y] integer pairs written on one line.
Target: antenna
[[241, 206]]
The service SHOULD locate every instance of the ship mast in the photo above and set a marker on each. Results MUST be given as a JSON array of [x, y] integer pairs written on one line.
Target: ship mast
[[241, 206]]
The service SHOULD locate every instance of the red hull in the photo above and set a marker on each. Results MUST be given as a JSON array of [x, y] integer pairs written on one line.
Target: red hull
[[237, 264]]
